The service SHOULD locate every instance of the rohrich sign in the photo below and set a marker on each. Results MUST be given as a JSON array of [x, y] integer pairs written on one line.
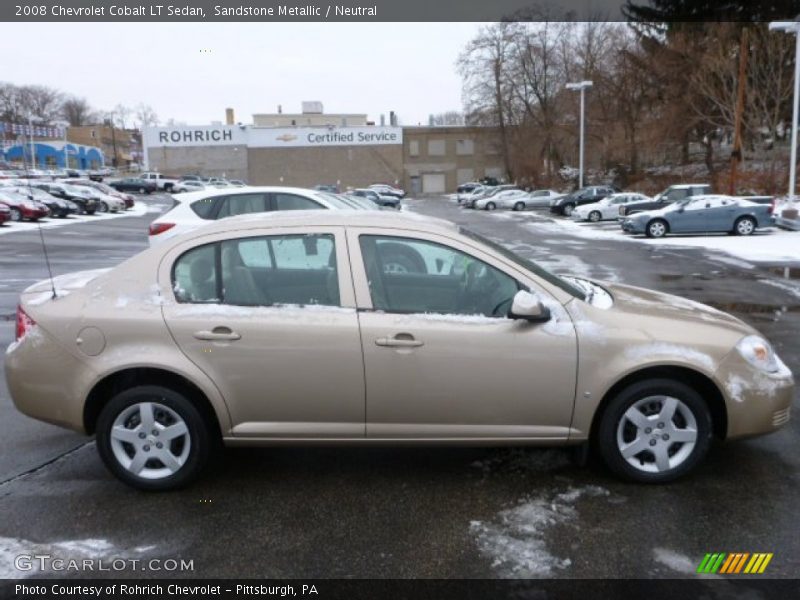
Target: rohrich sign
[[269, 137]]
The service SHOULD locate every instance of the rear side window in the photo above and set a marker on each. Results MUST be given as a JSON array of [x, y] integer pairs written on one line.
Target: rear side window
[[294, 202], [242, 204], [260, 271], [203, 208]]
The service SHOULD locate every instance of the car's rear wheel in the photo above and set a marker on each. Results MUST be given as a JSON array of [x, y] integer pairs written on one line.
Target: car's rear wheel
[[654, 431], [657, 228], [567, 210], [16, 215], [491, 206], [744, 226], [595, 216], [153, 438], [519, 206]]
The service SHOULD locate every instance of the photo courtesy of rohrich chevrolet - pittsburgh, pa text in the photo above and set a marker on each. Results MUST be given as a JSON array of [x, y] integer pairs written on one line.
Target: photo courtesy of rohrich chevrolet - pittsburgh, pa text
[[383, 299]]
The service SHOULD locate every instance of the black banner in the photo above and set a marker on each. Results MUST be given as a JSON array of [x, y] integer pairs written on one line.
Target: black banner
[[404, 589]]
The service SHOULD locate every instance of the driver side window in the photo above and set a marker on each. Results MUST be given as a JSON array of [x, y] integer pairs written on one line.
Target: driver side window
[[408, 275]]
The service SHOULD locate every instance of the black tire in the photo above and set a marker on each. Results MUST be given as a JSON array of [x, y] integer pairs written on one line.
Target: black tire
[[16, 215], [199, 432], [657, 228], [519, 206], [567, 209], [613, 415], [744, 226], [490, 206], [595, 216], [91, 211]]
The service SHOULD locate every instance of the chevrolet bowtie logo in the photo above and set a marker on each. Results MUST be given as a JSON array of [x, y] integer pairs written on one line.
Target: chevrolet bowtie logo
[[286, 137]]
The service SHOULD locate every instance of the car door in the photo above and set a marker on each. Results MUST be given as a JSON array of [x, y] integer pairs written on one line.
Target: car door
[[689, 217], [441, 360], [271, 320], [720, 214]]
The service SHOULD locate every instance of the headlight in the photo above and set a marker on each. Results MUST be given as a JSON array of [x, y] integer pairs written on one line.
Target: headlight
[[758, 352]]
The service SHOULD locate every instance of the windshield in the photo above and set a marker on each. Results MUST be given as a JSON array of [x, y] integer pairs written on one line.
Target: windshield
[[334, 200], [526, 264]]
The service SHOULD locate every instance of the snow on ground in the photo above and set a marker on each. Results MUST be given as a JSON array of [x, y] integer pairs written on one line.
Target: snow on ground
[[139, 209], [515, 539], [12, 548]]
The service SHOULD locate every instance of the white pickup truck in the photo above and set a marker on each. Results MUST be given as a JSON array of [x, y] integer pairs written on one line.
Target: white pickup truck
[[162, 181]]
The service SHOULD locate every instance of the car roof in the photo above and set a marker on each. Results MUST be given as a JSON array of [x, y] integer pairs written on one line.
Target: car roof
[[326, 218], [680, 186]]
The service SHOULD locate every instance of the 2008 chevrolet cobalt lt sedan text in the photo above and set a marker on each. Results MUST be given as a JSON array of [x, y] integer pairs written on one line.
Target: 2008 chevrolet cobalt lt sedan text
[[361, 327]]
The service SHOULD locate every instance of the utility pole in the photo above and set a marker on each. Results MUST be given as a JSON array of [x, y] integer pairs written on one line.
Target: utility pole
[[736, 154], [580, 86]]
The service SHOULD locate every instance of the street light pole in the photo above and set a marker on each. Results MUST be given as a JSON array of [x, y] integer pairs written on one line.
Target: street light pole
[[792, 27], [581, 86], [30, 138]]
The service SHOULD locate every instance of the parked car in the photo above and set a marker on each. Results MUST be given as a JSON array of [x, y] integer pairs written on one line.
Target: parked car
[[486, 193], [188, 185], [468, 195], [108, 190], [670, 195], [388, 190], [466, 188], [190, 178], [593, 193], [191, 363], [701, 214], [22, 208], [327, 187], [113, 202], [238, 183], [197, 209], [608, 208], [542, 198], [502, 199], [74, 193], [5, 213], [376, 197], [490, 181], [134, 184], [162, 182], [58, 207]]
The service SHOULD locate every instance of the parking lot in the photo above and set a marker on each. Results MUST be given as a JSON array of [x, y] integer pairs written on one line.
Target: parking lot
[[417, 512]]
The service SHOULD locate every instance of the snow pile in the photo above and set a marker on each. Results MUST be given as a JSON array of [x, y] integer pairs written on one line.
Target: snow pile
[[70, 550], [515, 540]]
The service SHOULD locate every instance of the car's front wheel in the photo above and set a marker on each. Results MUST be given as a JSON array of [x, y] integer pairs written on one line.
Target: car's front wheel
[[103, 207], [153, 438], [654, 431], [745, 226], [16, 215], [567, 210], [595, 216], [519, 206], [657, 229], [491, 206]]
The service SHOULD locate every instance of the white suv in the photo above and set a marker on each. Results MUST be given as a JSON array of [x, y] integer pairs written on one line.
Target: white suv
[[195, 209]]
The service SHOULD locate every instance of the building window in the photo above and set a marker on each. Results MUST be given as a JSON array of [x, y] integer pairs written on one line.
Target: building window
[[436, 147], [465, 147], [413, 148]]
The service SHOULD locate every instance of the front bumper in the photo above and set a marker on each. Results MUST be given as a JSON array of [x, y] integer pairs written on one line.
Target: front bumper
[[756, 402], [630, 226]]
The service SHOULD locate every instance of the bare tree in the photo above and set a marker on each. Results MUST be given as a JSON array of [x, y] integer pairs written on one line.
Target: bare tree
[[145, 116], [41, 102], [76, 111], [119, 116]]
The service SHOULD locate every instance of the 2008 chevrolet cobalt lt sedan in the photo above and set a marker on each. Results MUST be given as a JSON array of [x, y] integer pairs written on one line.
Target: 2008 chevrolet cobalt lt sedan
[[360, 327]]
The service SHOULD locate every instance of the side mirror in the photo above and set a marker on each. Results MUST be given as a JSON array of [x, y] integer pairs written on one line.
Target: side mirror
[[529, 307]]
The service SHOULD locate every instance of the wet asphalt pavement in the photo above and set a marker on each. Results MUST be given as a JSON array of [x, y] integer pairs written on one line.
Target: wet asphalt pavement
[[411, 512]]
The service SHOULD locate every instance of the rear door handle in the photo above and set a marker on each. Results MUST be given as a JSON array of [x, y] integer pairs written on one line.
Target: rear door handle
[[218, 334], [399, 341]]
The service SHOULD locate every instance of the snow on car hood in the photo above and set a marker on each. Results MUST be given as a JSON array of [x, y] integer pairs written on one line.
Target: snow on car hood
[[635, 300]]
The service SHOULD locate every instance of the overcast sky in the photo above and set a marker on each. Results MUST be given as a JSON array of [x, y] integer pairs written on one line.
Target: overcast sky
[[252, 67]]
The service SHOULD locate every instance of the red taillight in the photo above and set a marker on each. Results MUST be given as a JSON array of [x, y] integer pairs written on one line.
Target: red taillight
[[24, 323], [156, 228]]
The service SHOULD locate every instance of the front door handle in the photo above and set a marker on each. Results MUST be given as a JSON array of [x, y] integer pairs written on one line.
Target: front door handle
[[218, 334], [401, 340]]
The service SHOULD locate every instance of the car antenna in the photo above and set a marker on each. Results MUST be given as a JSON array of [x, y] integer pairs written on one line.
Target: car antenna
[[39, 225]]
